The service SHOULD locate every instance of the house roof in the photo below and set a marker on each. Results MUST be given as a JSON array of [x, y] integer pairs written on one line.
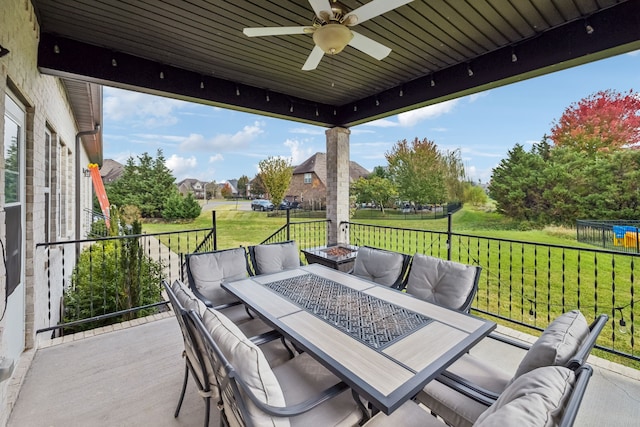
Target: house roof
[[85, 100], [111, 170], [197, 51], [317, 164]]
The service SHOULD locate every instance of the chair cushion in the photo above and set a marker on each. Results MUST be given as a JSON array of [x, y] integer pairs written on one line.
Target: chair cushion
[[186, 298], [535, 399], [250, 364], [380, 266], [276, 257], [209, 269], [447, 283], [558, 343], [303, 378]]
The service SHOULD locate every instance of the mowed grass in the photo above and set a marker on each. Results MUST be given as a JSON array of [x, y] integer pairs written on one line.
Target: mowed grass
[[528, 283]]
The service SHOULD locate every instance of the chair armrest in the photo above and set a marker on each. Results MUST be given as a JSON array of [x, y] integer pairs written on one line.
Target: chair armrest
[[467, 388], [573, 405], [511, 341], [265, 337], [583, 352], [298, 408]]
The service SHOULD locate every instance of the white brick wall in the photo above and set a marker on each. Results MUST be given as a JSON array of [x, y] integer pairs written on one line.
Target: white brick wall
[[46, 104]]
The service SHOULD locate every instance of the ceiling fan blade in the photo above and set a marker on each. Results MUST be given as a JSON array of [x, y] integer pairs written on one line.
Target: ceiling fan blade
[[274, 31], [314, 59], [369, 46], [320, 6], [374, 8]]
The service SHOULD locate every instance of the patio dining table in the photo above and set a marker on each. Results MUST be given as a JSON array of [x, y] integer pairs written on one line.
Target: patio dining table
[[385, 344]]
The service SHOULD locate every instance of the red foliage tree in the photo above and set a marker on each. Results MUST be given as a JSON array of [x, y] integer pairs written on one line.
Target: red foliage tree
[[606, 120]]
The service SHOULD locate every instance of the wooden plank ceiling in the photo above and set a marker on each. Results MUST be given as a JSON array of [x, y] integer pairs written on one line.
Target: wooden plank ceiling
[[441, 49]]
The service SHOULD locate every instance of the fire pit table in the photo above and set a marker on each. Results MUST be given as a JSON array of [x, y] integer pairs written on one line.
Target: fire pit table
[[339, 257]]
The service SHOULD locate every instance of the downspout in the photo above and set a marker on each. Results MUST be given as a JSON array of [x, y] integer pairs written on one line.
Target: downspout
[[79, 136]]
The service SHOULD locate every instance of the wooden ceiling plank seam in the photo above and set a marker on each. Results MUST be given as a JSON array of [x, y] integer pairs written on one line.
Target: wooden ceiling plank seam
[[510, 14], [462, 18], [497, 20], [437, 38], [442, 29], [530, 13], [399, 42], [549, 13]]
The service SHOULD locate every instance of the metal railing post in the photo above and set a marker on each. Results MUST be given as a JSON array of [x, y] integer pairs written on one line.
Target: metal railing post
[[288, 224], [449, 220], [215, 230]]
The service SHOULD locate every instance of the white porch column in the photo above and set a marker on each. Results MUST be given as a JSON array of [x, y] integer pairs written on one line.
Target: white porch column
[[337, 182]]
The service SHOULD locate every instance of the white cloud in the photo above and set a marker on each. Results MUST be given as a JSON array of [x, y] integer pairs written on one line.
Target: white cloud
[[181, 166], [634, 53], [307, 131], [216, 158], [439, 129], [240, 139], [382, 123], [355, 131], [474, 97], [139, 109], [298, 153], [411, 118]]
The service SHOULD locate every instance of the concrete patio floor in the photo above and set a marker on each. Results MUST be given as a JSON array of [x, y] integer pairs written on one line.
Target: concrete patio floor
[[131, 375]]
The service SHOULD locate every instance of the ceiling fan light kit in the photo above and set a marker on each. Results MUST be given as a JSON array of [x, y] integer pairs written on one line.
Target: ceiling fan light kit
[[330, 29], [332, 38]]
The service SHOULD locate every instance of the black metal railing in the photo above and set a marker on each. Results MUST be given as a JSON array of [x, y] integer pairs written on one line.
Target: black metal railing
[[409, 213], [617, 235], [307, 234], [529, 284], [95, 282]]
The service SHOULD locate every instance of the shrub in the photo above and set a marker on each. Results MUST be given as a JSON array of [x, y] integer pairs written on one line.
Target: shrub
[[111, 276]]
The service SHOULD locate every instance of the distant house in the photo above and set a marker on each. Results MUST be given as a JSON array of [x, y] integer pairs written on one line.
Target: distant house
[[193, 186], [111, 171], [309, 181]]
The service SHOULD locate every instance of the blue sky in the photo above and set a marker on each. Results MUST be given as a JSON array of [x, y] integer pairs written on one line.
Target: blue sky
[[211, 143]]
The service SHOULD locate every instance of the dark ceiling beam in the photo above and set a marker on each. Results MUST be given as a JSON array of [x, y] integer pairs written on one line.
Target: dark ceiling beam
[[615, 30], [67, 58]]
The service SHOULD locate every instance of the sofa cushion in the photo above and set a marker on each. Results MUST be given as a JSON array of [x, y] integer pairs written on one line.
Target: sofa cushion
[[380, 266], [535, 399], [209, 269], [558, 343], [251, 366], [276, 257], [447, 283]]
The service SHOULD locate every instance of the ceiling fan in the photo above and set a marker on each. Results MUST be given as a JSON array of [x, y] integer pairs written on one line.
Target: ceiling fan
[[331, 32]]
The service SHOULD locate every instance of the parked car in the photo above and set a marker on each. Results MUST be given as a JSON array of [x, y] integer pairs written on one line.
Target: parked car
[[261, 205]]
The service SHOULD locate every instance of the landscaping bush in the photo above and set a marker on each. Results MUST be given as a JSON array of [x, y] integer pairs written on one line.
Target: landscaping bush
[[111, 276]]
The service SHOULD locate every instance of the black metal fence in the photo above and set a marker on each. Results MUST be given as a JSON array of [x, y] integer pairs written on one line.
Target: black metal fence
[[620, 236], [408, 213], [529, 284], [307, 234], [95, 282]]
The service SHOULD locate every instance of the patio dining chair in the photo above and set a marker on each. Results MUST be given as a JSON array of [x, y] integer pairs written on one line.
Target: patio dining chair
[[274, 257], [471, 384], [446, 283], [546, 396], [299, 392], [207, 270], [182, 301], [381, 266]]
